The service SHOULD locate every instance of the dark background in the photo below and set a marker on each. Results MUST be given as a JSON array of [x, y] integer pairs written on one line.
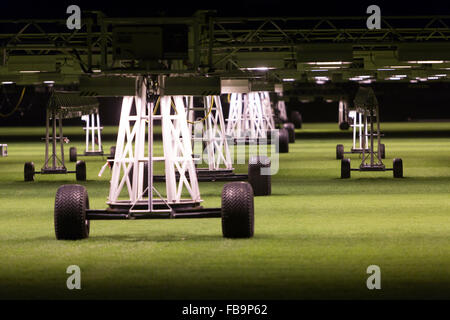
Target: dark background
[[57, 8], [398, 102]]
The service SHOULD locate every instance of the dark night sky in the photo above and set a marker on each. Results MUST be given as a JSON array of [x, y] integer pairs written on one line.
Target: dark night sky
[[114, 8]]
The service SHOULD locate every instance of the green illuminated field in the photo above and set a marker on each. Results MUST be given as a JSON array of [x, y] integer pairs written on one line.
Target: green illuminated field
[[314, 236]]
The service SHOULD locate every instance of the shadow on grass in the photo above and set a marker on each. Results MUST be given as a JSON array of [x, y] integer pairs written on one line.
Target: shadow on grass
[[175, 237], [301, 135], [157, 238], [302, 239]]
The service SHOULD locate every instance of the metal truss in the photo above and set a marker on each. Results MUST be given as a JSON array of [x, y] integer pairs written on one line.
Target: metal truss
[[269, 122], [51, 37], [135, 128], [214, 40], [178, 151], [53, 162], [215, 136], [370, 157], [233, 35]]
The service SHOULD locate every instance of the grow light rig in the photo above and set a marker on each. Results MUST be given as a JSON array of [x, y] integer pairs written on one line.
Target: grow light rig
[[143, 200], [366, 104]]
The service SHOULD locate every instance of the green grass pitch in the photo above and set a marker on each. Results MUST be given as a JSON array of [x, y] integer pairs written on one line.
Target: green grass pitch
[[314, 238]]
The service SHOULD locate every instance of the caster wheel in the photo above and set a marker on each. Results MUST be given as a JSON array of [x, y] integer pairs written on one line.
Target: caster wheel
[[283, 140], [344, 126], [291, 131], [73, 154], [80, 169], [296, 119], [28, 171], [70, 219], [340, 152], [345, 169], [261, 183], [382, 151], [237, 210]]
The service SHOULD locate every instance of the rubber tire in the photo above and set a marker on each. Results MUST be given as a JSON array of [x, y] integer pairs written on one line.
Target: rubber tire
[[345, 169], [344, 126], [130, 175], [291, 130], [80, 169], [71, 202], [283, 140], [382, 151], [340, 152], [398, 168], [112, 151], [296, 119], [28, 171], [261, 184], [238, 216], [73, 154]]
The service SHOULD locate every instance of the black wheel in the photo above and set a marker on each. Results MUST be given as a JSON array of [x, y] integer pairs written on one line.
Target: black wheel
[[382, 151], [261, 183], [80, 169], [112, 152], [283, 140], [296, 119], [73, 154], [339, 152], [28, 171], [345, 168], [71, 203], [130, 175], [398, 168], [291, 131], [344, 125], [238, 220]]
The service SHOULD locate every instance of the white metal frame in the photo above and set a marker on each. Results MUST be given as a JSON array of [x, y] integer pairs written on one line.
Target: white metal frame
[[281, 107], [269, 121], [216, 139], [212, 133], [359, 129], [250, 115], [93, 129]]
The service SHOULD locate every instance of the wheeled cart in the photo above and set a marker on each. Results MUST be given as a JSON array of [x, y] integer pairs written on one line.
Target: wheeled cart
[[134, 196], [371, 151]]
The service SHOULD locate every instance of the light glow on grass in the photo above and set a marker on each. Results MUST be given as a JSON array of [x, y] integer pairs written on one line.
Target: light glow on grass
[[314, 237]]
